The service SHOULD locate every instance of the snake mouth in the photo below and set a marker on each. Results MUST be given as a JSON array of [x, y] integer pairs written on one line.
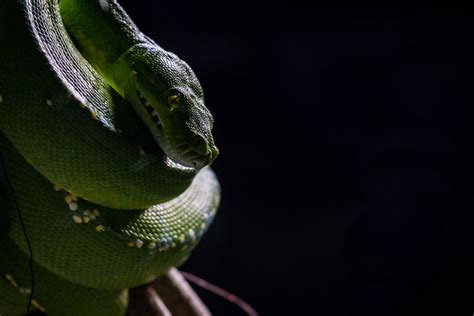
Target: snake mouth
[[191, 157], [187, 159], [182, 155], [150, 110]]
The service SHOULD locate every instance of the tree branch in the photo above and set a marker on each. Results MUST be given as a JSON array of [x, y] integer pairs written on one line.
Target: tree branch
[[170, 294], [143, 300], [179, 296]]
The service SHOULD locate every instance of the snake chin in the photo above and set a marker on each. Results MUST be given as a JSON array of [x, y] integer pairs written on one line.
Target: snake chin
[[191, 157]]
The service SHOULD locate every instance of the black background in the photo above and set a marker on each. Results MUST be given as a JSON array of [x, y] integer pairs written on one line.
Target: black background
[[346, 140]]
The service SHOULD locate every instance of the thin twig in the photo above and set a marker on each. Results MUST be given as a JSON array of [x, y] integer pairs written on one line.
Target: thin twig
[[143, 300], [221, 292]]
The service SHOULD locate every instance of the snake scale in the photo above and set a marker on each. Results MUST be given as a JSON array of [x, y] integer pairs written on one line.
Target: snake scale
[[107, 145]]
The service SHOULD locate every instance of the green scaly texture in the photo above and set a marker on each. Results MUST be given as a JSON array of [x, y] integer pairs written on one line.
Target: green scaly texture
[[103, 206]]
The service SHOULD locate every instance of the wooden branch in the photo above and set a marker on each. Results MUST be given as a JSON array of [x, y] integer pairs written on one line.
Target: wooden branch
[[178, 295], [143, 300], [170, 294]]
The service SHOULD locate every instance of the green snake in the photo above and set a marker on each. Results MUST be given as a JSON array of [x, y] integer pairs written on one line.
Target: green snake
[[106, 143]]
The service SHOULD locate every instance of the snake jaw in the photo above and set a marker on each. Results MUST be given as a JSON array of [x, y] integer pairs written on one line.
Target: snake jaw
[[194, 154], [170, 154]]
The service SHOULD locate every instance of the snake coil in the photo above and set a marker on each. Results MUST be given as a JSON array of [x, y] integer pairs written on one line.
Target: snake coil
[[104, 206]]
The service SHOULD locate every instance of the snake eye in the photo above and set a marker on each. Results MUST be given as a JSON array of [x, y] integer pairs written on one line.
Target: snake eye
[[173, 101]]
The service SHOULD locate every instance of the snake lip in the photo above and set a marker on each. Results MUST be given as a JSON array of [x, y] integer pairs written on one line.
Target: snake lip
[[187, 156]]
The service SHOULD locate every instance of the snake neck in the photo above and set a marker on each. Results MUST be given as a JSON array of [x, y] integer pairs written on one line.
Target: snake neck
[[102, 32]]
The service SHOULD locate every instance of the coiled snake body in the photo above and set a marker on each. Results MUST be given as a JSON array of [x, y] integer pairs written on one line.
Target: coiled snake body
[[106, 143]]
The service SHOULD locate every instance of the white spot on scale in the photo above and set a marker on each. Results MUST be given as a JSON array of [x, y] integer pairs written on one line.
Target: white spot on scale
[[192, 234], [38, 306], [49, 102], [1, 98], [151, 245], [138, 243], [10, 279], [73, 206], [93, 115], [24, 290], [77, 219], [104, 5]]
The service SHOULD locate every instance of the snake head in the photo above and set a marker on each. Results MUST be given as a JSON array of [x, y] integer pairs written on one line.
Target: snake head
[[168, 97]]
